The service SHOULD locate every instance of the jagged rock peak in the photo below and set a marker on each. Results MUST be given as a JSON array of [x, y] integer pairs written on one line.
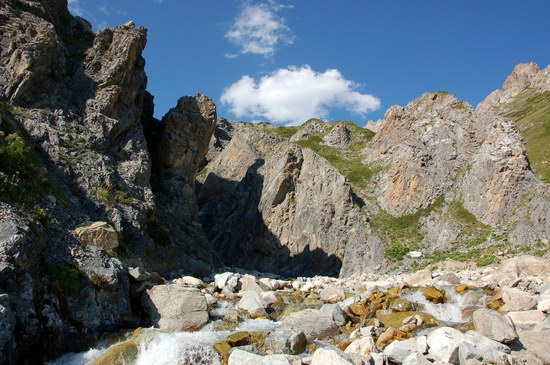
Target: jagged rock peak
[[524, 76]]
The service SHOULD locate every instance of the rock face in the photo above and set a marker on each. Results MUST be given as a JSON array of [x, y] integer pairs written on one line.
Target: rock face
[[322, 201], [78, 100], [439, 146], [301, 214]]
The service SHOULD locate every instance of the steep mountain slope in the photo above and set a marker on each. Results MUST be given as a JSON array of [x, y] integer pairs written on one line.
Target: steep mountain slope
[[268, 204], [72, 150], [525, 99], [440, 148], [438, 177]]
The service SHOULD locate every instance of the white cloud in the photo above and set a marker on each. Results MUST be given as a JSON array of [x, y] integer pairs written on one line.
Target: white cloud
[[295, 94], [258, 29]]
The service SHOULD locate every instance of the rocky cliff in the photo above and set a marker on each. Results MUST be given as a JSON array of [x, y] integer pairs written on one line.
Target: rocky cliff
[[439, 177], [269, 204], [79, 143]]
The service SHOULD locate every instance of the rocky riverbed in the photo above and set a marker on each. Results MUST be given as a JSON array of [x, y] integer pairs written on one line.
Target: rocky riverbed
[[493, 315]]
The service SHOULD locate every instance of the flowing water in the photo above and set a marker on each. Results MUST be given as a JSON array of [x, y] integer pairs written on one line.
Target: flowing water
[[454, 309], [186, 348]]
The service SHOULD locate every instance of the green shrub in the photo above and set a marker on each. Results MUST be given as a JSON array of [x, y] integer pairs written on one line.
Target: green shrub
[[41, 215], [66, 279], [396, 251]]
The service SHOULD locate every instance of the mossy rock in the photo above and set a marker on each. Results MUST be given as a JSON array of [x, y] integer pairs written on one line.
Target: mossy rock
[[238, 339], [223, 349], [395, 319], [462, 288], [120, 354], [245, 338], [495, 304], [434, 295], [401, 305], [358, 309], [390, 335]]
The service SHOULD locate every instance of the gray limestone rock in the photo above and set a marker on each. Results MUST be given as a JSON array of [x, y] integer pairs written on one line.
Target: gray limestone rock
[[175, 308], [492, 324], [313, 323], [302, 214], [284, 340]]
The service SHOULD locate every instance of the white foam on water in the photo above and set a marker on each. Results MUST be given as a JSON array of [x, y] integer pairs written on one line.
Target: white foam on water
[[77, 358], [258, 325], [222, 308], [180, 348], [450, 312], [186, 348]]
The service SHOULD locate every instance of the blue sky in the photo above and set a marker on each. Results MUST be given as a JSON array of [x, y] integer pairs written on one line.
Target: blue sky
[[333, 59]]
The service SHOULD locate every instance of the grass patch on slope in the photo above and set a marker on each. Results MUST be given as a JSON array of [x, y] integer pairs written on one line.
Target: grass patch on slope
[[346, 161], [531, 113], [282, 131], [402, 232], [471, 227]]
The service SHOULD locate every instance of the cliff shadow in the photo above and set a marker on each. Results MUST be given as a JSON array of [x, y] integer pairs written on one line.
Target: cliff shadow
[[230, 216]]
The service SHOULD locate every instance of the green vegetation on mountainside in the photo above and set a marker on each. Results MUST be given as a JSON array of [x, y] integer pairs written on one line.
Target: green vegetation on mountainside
[[531, 112], [283, 131], [23, 179], [403, 233], [346, 160]]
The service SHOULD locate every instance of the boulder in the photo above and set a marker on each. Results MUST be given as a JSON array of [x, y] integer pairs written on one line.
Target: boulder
[[253, 304], [494, 325], [364, 346], [419, 278], [526, 319], [332, 294], [314, 323], [173, 307], [452, 346], [139, 274], [338, 315], [398, 351], [537, 342], [284, 340], [221, 279], [525, 265], [248, 282], [434, 295], [449, 278], [269, 297], [240, 357], [544, 325], [416, 359], [189, 281], [99, 234], [482, 348], [120, 354], [328, 357], [517, 300], [543, 304]]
